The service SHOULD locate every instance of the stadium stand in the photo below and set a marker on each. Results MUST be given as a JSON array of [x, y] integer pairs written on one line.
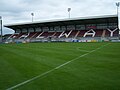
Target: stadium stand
[[81, 33], [99, 33], [31, 34], [86, 28]]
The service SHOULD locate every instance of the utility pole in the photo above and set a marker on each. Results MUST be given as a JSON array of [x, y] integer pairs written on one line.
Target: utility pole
[[118, 4], [1, 28], [69, 9], [32, 14]]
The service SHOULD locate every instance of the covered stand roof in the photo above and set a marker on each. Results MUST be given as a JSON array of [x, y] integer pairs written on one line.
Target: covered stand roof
[[71, 21]]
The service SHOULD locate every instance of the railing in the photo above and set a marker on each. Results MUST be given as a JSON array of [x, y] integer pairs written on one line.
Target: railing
[[54, 39]]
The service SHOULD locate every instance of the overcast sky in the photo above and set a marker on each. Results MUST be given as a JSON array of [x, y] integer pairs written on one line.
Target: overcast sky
[[17, 11]]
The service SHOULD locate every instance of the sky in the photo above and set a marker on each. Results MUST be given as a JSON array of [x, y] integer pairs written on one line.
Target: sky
[[19, 11]]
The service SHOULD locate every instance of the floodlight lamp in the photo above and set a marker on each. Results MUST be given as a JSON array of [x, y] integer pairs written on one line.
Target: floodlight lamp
[[118, 4], [69, 9], [32, 14]]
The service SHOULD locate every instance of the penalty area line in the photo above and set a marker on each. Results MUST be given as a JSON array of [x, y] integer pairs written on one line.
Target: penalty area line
[[47, 72], [82, 50]]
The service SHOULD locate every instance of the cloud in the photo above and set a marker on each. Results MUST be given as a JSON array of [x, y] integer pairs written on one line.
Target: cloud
[[15, 11]]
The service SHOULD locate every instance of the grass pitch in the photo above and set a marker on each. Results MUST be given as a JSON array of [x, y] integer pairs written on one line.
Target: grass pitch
[[97, 70]]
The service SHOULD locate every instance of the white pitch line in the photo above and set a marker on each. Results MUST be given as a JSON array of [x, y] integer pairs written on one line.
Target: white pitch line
[[70, 49], [82, 50], [43, 74]]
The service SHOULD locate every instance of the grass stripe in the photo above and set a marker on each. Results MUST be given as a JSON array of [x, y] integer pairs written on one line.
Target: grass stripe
[[36, 77]]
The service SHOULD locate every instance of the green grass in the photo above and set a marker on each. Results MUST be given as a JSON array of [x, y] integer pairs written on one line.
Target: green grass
[[99, 70]]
